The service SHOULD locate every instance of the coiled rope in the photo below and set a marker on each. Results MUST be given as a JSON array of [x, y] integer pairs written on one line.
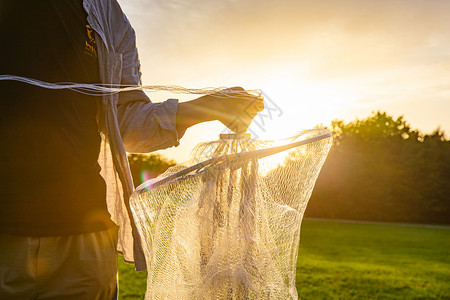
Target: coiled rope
[[108, 89]]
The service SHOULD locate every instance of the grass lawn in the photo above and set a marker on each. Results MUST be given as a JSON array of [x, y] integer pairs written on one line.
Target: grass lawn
[[340, 260]]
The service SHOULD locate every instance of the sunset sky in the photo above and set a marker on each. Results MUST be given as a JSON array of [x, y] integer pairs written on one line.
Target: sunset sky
[[315, 60]]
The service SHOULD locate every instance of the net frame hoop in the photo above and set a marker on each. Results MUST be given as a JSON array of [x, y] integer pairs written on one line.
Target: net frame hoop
[[230, 158]]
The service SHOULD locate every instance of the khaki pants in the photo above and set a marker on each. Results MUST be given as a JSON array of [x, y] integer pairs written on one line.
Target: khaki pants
[[82, 266]]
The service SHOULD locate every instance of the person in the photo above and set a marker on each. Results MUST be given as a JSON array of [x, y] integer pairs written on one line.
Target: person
[[65, 185]]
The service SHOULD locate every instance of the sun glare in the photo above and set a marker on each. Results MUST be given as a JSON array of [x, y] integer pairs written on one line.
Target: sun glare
[[304, 104]]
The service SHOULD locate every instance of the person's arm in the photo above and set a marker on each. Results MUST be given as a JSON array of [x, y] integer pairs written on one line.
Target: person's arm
[[235, 111], [147, 126]]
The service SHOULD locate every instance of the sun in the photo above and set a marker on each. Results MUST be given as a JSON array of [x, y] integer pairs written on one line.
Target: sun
[[304, 104]]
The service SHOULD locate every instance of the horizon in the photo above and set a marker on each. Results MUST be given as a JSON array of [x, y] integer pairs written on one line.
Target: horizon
[[315, 62]]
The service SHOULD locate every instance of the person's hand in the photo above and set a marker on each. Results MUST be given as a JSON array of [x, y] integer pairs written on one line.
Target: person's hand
[[235, 108]]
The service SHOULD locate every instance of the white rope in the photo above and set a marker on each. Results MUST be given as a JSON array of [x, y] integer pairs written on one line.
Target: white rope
[[107, 89]]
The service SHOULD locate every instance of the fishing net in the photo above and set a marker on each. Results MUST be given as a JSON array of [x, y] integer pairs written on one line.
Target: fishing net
[[226, 224]]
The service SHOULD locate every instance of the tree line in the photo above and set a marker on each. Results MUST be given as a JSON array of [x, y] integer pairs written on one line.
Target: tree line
[[379, 169]]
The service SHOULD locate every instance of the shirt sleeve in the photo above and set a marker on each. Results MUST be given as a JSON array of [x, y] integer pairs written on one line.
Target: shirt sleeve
[[144, 126], [147, 126]]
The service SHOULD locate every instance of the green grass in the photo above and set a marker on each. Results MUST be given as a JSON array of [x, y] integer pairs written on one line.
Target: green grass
[[357, 261], [373, 261]]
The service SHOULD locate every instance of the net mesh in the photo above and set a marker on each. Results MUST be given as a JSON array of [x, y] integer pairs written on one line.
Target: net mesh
[[229, 226]]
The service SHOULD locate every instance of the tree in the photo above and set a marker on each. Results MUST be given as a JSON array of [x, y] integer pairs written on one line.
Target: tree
[[382, 170], [146, 166]]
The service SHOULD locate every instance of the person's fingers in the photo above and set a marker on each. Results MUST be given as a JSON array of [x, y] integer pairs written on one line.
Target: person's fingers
[[237, 127], [239, 109], [240, 123], [258, 105], [238, 89], [254, 108]]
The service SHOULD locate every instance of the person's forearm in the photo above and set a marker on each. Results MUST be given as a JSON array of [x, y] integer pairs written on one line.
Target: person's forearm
[[194, 112]]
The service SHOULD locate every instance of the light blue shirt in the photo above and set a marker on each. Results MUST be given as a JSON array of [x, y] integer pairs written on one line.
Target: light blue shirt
[[129, 121]]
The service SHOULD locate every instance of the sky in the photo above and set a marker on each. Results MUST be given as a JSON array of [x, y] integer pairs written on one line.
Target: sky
[[315, 61]]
